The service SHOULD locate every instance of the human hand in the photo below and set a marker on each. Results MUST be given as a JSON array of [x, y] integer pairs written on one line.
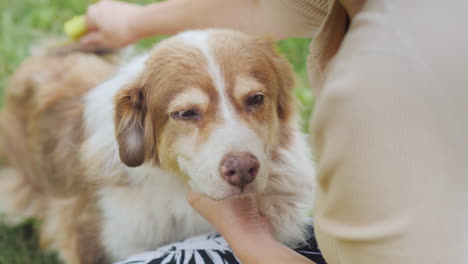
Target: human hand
[[233, 216], [111, 24], [247, 231]]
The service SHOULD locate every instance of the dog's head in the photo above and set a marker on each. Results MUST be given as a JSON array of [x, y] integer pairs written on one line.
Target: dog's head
[[210, 106]]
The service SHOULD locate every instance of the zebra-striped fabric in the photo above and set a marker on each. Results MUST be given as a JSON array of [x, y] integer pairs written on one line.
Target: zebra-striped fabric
[[210, 249]]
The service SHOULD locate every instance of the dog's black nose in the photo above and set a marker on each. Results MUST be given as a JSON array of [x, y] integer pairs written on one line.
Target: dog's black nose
[[239, 169]]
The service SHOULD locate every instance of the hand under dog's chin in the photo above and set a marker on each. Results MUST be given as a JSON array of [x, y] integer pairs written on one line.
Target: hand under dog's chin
[[230, 192]]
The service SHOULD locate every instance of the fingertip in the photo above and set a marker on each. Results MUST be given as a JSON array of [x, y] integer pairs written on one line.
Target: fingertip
[[84, 40], [90, 39], [90, 18], [200, 201], [192, 196]]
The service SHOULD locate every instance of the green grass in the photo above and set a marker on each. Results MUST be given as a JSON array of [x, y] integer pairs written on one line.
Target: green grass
[[24, 22], [19, 245]]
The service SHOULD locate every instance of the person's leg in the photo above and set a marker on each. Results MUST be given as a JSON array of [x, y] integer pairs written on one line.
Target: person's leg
[[390, 133], [211, 249]]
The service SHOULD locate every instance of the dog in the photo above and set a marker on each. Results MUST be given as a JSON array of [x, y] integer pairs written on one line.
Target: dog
[[103, 154]]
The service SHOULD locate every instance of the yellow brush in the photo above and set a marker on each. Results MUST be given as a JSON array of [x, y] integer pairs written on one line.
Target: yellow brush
[[75, 27]]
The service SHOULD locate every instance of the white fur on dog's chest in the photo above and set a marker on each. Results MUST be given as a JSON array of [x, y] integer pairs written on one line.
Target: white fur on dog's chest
[[145, 216]]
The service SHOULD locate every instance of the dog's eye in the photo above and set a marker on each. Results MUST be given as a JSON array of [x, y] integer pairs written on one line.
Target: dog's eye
[[186, 114], [255, 99]]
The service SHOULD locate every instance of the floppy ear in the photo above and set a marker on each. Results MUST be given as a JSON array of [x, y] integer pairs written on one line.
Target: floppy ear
[[130, 119], [284, 77]]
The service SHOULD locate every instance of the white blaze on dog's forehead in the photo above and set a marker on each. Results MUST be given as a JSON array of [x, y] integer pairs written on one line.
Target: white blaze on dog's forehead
[[201, 40], [190, 97]]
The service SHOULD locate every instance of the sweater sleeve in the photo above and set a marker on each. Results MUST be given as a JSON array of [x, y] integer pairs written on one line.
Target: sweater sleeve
[[296, 18]]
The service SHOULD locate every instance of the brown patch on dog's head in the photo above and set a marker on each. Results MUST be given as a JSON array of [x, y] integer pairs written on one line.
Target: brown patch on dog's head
[[145, 106]]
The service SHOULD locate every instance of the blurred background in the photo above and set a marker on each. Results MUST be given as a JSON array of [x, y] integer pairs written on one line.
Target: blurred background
[[25, 22]]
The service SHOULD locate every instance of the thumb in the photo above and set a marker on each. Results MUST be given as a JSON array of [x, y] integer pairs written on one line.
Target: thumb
[[200, 202]]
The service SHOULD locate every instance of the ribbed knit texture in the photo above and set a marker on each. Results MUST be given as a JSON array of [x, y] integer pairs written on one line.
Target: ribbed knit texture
[[314, 10]]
